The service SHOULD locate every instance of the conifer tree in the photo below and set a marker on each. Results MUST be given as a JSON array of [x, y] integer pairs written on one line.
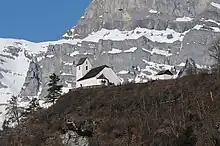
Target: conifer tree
[[5, 125], [54, 90], [33, 106], [13, 111]]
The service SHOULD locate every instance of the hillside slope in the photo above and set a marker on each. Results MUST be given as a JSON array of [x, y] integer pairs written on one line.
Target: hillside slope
[[173, 112]]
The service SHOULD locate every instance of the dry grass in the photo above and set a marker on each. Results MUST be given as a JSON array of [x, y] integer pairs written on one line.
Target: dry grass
[[178, 112]]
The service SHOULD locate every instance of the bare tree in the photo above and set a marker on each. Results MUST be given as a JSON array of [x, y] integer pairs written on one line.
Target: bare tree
[[214, 53], [14, 112]]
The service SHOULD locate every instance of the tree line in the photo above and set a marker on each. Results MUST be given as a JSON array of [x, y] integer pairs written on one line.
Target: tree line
[[16, 113]]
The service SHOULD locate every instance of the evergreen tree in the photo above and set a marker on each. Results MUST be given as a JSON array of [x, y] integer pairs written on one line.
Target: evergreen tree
[[33, 106], [54, 90], [13, 111], [5, 125]]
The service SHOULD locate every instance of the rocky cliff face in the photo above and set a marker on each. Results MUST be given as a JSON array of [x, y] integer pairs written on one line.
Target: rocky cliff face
[[150, 34], [129, 14]]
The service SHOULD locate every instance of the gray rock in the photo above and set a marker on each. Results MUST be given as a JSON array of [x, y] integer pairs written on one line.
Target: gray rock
[[72, 139], [189, 68], [32, 81]]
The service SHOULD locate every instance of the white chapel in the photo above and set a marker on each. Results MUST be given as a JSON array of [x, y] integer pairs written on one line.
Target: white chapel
[[86, 75]]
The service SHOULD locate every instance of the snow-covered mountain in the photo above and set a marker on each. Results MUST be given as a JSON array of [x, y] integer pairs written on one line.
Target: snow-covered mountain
[[151, 35]]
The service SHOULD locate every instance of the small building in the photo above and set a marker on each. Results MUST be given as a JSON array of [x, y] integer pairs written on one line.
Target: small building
[[83, 66], [164, 75], [88, 76]]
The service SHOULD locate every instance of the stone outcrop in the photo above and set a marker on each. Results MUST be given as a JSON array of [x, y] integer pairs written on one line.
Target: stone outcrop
[[189, 68]]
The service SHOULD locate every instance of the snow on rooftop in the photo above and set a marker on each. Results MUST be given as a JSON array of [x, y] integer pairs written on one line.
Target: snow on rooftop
[[154, 68]]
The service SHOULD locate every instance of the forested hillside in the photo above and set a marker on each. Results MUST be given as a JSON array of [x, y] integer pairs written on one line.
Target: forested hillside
[[179, 112]]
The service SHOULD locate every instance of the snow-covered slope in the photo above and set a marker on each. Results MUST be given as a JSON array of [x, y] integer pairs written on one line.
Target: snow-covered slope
[[15, 58]]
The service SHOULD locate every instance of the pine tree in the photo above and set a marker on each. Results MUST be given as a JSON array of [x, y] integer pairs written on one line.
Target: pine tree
[[33, 106], [54, 90], [13, 111], [5, 125]]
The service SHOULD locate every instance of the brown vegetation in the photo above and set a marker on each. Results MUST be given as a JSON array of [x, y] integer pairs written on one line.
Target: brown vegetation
[[181, 112]]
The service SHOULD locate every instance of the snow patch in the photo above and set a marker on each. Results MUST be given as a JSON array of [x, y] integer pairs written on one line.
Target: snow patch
[[153, 11], [131, 50], [40, 58], [68, 63], [158, 51], [67, 74], [114, 51], [197, 27], [217, 5], [214, 29], [32, 47], [182, 64], [50, 56], [74, 53], [213, 21], [153, 35], [184, 19], [154, 68], [123, 72]]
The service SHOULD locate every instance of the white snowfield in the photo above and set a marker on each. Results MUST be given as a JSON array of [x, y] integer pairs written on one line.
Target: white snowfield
[[15, 69], [153, 35]]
